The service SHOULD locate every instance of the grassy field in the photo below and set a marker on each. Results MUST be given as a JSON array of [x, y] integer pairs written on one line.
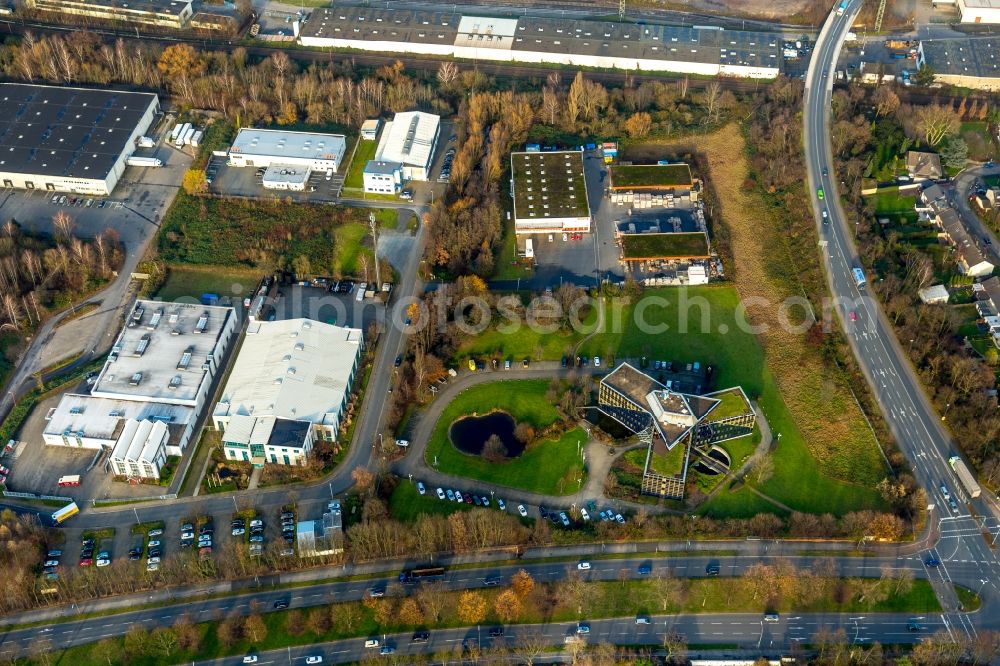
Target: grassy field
[[233, 232], [549, 466], [827, 459], [591, 601], [658, 246], [349, 248], [888, 202], [355, 172], [523, 343], [187, 281], [670, 464], [979, 140]]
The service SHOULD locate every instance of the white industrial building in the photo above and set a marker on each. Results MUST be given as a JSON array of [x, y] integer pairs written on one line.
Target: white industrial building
[[706, 51], [975, 11], [62, 139], [549, 192], [294, 369], [141, 449], [160, 370], [264, 148], [382, 177], [409, 139], [285, 177], [260, 439]]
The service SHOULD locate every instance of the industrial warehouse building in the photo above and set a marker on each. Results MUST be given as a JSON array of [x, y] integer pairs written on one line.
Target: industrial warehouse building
[[160, 370], [382, 177], [409, 140], [163, 13], [966, 62], [69, 139], [287, 157], [549, 192], [287, 373], [578, 43]]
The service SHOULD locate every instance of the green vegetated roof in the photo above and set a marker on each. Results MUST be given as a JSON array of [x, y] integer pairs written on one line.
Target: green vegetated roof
[[731, 403], [651, 175], [670, 463], [549, 185], [657, 246]]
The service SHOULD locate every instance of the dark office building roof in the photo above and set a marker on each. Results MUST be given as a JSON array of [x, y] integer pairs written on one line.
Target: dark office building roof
[[66, 132]]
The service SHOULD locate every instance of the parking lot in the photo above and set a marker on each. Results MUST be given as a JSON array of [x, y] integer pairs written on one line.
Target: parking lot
[[320, 304], [593, 256], [246, 182]]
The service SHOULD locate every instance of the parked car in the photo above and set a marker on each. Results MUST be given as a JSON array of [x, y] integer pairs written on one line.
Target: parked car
[[421, 488], [521, 510], [440, 494], [280, 604], [583, 566], [500, 503], [155, 532], [314, 659]]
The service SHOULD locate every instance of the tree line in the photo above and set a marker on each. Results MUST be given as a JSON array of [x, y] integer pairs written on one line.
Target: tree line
[[41, 273]]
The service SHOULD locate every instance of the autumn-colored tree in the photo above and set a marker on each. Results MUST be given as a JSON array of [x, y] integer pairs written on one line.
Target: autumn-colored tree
[[363, 479], [163, 641], [254, 628], [522, 583], [228, 631], [194, 181], [106, 650], [639, 124], [410, 613], [188, 636], [136, 641], [885, 100], [180, 60], [472, 607], [508, 606], [294, 624], [318, 621]]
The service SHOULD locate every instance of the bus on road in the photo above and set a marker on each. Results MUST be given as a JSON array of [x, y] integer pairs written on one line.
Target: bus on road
[[859, 278], [67, 511], [420, 573]]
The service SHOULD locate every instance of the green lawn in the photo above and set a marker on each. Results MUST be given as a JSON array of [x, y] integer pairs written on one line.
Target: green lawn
[[549, 466], [348, 239], [702, 326], [187, 281], [898, 208], [657, 246], [355, 172], [977, 136], [524, 342], [407, 505]]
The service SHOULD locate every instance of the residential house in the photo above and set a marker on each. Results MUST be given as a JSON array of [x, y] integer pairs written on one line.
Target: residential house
[[923, 166]]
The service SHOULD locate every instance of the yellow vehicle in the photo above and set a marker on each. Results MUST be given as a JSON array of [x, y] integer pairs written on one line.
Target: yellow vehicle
[[472, 365]]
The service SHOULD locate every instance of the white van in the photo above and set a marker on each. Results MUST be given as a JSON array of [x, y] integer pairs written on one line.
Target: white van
[[371, 643], [362, 288]]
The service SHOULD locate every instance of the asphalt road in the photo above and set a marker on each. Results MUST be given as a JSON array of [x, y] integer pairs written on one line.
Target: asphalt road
[[912, 419], [697, 628]]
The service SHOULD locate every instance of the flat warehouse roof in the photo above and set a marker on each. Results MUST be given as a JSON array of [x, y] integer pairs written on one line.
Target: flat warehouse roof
[[549, 185], [979, 57], [160, 352], [66, 132], [299, 145]]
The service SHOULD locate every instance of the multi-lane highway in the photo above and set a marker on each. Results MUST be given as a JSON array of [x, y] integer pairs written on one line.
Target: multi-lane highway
[[711, 628], [912, 419]]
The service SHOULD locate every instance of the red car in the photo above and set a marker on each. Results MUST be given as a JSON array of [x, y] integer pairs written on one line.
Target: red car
[[86, 561], [854, 315]]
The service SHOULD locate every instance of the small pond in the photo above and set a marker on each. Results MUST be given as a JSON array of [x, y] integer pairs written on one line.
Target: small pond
[[469, 434], [718, 454]]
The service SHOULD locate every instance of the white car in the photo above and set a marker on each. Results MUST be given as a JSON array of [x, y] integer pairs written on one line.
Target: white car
[[458, 497], [583, 566], [103, 563], [597, 361], [314, 659], [440, 494], [619, 518], [371, 643], [521, 510], [153, 544], [153, 560], [155, 532], [584, 515], [250, 659], [153, 566], [420, 488], [500, 503]]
